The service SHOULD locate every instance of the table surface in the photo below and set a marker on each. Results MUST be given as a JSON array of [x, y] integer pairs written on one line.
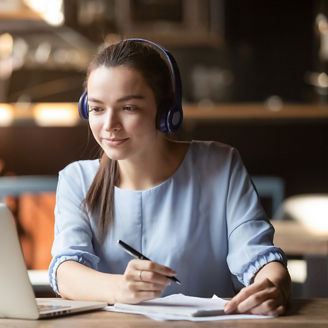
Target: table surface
[[301, 313], [296, 238]]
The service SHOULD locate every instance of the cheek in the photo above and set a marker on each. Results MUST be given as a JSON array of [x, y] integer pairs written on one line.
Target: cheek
[[94, 127], [146, 123]]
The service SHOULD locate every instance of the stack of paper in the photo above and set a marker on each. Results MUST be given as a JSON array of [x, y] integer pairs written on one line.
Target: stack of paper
[[181, 307]]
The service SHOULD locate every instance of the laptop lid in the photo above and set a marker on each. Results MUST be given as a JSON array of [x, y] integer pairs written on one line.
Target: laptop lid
[[17, 299]]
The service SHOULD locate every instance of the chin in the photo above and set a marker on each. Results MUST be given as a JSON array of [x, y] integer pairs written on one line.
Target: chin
[[114, 155]]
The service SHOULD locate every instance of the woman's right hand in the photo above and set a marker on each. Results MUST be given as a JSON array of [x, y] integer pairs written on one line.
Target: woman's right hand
[[142, 280]]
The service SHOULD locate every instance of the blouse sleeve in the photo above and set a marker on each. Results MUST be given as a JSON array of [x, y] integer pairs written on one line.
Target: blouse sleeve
[[73, 233], [250, 234]]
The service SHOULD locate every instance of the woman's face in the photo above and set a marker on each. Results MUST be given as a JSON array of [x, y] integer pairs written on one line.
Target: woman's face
[[122, 112]]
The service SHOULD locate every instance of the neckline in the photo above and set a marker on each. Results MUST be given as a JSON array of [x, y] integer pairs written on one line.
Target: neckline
[[183, 163]]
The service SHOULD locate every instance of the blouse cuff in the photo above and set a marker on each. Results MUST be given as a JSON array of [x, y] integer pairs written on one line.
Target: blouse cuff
[[55, 264], [247, 276]]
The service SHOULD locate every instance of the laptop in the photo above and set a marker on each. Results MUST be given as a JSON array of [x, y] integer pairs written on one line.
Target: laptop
[[17, 299]]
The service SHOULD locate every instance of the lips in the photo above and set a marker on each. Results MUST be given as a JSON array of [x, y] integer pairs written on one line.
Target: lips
[[114, 141]]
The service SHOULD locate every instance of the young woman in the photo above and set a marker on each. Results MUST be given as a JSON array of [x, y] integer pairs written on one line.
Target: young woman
[[188, 206]]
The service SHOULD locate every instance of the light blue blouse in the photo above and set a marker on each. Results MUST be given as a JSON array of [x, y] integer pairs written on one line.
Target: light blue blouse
[[205, 222]]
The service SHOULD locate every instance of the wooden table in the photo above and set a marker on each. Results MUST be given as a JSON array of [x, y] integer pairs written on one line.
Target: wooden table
[[301, 313]]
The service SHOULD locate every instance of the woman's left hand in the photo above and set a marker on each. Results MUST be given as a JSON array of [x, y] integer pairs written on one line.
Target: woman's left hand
[[268, 295], [259, 298]]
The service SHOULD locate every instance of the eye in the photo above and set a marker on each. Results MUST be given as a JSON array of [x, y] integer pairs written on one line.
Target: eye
[[130, 108], [95, 109]]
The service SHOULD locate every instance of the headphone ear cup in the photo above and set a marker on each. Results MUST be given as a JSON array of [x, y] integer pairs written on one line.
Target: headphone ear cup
[[83, 105], [171, 120], [174, 118]]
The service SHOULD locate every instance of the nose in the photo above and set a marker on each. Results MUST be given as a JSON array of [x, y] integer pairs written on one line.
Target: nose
[[112, 122]]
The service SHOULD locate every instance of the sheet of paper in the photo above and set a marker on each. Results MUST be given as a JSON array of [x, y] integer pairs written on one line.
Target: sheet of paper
[[181, 307]]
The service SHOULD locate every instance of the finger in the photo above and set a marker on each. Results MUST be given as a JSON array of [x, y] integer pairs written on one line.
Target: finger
[[269, 307], [132, 287], [281, 309], [145, 265], [245, 293], [153, 277], [148, 286], [159, 268], [257, 299]]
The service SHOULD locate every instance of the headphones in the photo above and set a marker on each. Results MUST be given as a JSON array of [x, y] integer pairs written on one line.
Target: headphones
[[170, 119]]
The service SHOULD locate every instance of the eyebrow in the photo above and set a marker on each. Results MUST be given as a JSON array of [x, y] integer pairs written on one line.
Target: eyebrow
[[125, 98], [128, 97]]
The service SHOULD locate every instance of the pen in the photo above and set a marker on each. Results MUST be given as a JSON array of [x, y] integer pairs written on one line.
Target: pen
[[140, 256]]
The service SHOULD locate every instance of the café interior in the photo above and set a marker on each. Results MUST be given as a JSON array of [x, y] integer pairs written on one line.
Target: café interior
[[254, 76]]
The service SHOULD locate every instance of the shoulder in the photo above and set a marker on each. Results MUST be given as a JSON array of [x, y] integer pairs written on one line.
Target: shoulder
[[212, 160], [80, 172], [84, 167], [207, 151]]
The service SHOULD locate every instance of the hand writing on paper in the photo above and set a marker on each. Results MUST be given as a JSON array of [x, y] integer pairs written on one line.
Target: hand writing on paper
[[268, 295], [142, 280]]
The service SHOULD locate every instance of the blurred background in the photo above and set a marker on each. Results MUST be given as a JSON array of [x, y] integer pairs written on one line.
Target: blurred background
[[254, 76]]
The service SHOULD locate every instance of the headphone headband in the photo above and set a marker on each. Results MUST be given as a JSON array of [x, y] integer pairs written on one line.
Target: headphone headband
[[170, 119]]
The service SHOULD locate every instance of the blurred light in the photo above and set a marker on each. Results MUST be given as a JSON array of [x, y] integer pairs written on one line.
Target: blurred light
[[90, 11], [321, 21], [322, 26], [6, 44], [297, 270], [42, 52], [62, 56], [6, 67], [20, 51], [6, 114], [10, 5], [55, 114], [274, 103], [319, 80], [323, 80], [311, 210], [50, 10]]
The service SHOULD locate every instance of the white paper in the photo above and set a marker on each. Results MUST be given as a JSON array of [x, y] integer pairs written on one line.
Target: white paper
[[182, 307]]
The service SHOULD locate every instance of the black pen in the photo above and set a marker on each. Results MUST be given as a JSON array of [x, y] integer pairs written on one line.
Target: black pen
[[140, 256]]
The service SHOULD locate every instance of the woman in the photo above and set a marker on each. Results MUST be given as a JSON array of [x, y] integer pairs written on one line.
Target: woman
[[188, 206]]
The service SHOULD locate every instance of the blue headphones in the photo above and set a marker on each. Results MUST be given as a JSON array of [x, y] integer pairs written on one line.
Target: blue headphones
[[170, 119]]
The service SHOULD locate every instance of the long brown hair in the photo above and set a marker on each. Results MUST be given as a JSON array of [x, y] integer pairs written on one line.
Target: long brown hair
[[149, 62]]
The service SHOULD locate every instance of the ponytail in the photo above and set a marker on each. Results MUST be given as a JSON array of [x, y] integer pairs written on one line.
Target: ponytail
[[101, 193]]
